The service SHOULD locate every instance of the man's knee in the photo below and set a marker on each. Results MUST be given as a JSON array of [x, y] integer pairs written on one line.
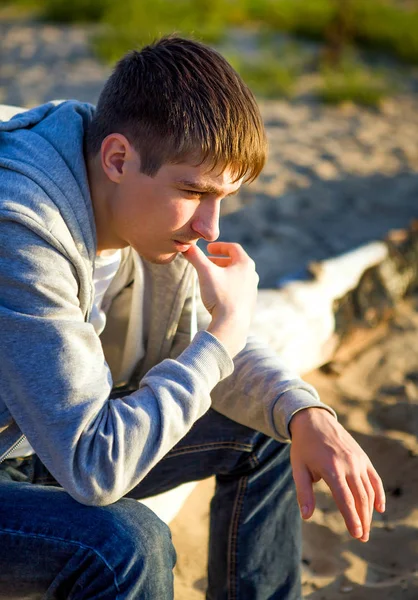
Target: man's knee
[[136, 550], [123, 548], [139, 532]]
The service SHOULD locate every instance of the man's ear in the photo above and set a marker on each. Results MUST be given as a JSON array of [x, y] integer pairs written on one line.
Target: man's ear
[[116, 151]]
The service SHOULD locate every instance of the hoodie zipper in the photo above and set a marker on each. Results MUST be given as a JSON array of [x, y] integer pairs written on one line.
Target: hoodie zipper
[[10, 450]]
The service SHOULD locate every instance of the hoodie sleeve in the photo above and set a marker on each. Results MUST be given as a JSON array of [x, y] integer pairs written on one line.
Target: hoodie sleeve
[[261, 393], [56, 383]]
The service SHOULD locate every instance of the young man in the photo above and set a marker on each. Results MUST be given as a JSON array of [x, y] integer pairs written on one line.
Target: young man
[[109, 393]]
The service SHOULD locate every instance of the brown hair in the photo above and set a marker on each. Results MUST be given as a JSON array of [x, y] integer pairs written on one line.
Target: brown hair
[[176, 99]]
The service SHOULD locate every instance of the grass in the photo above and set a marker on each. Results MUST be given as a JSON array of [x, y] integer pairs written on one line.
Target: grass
[[351, 82], [140, 23], [379, 24], [305, 17], [265, 76], [382, 24]]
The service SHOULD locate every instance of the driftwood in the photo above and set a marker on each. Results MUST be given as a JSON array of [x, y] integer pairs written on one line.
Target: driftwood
[[306, 322], [382, 286]]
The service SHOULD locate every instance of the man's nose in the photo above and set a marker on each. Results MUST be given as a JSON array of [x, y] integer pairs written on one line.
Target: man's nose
[[206, 221]]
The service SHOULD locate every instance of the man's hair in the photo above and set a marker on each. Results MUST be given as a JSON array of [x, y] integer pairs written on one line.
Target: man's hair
[[178, 100]]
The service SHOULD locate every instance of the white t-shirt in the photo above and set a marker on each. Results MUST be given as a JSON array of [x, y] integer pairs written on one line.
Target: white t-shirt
[[105, 268]]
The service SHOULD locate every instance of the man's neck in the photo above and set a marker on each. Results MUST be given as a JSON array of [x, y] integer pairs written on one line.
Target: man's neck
[[99, 192]]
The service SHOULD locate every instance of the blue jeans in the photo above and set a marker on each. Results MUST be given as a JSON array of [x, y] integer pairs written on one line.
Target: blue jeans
[[53, 547]]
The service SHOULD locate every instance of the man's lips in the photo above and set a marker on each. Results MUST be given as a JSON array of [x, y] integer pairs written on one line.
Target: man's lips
[[182, 246]]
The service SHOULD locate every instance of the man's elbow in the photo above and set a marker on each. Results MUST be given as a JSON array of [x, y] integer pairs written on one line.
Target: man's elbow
[[90, 496]]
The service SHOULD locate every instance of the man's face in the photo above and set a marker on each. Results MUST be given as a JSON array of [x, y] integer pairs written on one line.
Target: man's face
[[162, 215]]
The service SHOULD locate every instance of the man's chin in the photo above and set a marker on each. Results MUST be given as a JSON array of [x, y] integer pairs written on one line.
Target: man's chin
[[161, 259]]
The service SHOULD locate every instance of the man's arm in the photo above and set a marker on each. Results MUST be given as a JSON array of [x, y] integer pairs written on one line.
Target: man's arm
[[261, 393], [323, 449], [56, 383]]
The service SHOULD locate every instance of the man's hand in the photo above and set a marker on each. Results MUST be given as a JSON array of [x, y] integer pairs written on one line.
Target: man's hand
[[323, 449], [228, 285]]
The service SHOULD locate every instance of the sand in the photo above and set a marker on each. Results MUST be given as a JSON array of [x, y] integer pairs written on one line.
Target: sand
[[375, 393]]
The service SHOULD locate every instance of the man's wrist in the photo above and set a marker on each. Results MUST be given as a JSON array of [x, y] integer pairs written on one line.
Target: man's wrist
[[304, 416], [225, 331]]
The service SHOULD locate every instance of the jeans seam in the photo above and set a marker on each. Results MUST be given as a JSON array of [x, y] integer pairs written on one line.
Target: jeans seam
[[209, 446], [254, 461], [59, 539], [232, 543]]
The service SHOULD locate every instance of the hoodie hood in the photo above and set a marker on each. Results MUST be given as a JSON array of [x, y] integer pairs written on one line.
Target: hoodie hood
[[44, 146]]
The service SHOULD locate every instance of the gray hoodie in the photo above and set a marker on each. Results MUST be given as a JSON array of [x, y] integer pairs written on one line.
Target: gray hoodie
[[57, 375]]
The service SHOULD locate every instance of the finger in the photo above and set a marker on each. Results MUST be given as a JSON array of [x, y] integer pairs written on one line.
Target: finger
[[304, 491], [346, 504], [197, 258], [379, 492], [220, 261], [234, 251], [361, 500], [370, 494]]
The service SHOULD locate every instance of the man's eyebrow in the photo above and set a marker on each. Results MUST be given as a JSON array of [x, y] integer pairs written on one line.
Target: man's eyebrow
[[206, 188]]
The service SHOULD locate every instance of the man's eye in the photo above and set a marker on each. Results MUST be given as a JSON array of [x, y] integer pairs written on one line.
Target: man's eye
[[193, 193]]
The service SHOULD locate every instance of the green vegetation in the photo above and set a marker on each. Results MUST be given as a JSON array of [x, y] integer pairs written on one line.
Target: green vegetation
[[387, 25], [376, 23], [136, 23], [351, 82], [305, 17], [382, 25], [75, 11], [266, 75]]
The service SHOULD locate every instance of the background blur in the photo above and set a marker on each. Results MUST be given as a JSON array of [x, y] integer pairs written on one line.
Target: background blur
[[335, 50]]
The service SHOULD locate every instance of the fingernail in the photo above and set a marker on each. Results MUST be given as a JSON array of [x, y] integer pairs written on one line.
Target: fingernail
[[304, 511], [382, 507], [358, 531]]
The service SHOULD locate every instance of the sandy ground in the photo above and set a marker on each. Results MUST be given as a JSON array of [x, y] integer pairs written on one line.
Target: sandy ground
[[375, 393]]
